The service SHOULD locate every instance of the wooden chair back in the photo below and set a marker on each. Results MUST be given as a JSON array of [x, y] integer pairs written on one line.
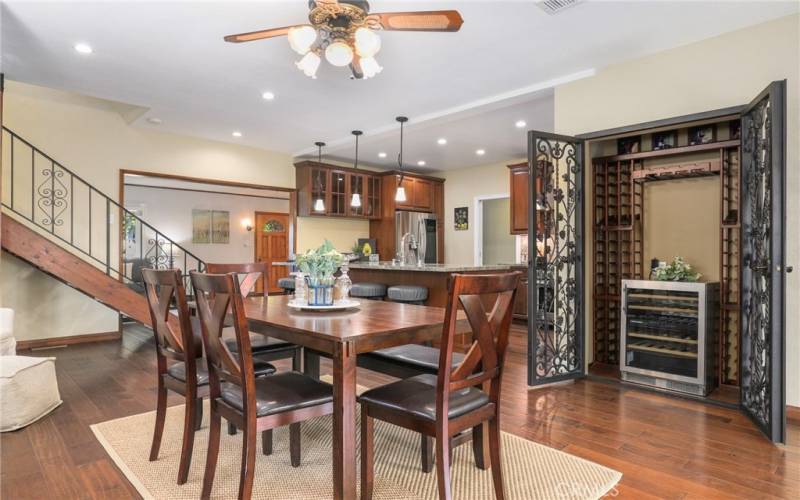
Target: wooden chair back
[[249, 275], [218, 295], [162, 286], [483, 363]]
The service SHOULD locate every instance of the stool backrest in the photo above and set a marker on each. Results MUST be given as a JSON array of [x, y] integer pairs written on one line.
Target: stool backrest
[[174, 339], [249, 274], [483, 363], [216, 295]]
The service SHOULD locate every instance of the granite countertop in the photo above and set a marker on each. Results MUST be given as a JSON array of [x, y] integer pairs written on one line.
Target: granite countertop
[[431, 268]]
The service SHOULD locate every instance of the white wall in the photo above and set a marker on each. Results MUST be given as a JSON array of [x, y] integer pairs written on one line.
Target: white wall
[[727, 70], [499, 246], [170, 211], [91, 137]]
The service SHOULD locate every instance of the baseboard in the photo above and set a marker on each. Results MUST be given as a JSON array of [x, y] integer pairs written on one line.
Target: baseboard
[[793, 414], [25, 345]]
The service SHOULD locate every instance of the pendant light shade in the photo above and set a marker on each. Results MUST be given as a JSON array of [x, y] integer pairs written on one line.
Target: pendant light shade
[[400, 194], [319, 203], [355, 200]]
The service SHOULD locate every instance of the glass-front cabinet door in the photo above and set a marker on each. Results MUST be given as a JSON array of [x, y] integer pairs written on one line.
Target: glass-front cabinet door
[[357, 186], [339, 201], [319, 190], [372, 208]]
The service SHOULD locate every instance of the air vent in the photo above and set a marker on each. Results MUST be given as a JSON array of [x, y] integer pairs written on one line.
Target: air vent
[[554, 7]]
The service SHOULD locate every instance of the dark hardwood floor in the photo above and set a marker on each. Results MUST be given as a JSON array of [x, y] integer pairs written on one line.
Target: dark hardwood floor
[[666, 447]]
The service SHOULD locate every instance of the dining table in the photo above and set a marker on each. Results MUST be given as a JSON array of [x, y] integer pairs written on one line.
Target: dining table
[[342, 336]]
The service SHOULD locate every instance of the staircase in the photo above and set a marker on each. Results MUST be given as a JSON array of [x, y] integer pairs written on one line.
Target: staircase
[[62, 225]]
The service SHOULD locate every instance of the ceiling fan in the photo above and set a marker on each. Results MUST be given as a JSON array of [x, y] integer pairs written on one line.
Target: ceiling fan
[[343, 31]]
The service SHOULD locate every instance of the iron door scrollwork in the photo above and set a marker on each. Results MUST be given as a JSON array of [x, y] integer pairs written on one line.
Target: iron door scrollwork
[[555, 247], [763, 248]]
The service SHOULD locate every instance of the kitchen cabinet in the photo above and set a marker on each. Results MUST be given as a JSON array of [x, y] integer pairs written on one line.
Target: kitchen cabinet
[[519, 197], [335, 187], [520, 310]]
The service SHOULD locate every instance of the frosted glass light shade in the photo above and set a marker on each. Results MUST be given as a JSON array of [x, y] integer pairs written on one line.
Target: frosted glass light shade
[[309, 64], [339, 54], [370, 67], [400, 195], [319, 205], [367, 42], [301, 38], [355, 201]]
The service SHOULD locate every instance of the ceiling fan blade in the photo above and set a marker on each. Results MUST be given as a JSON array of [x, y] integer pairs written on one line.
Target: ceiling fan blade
[[434, 20], [258, 35]]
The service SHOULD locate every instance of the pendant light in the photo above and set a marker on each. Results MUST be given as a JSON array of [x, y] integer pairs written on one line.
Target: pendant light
[[355, 201], [319, 203], [400, 194]]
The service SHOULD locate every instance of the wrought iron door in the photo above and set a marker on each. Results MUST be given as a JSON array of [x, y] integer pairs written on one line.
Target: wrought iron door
[[555, 250], [762, 362]]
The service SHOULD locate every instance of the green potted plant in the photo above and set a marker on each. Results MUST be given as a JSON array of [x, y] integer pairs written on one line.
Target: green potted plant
[[677, 270], [318, 265]]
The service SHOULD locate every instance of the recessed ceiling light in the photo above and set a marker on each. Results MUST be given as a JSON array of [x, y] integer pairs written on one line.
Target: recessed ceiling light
[[442, 141], [421, 163], [381, 155], [154, 120], [480, 152], [520, 124], [268, 96], [236, 134], [83, 48]]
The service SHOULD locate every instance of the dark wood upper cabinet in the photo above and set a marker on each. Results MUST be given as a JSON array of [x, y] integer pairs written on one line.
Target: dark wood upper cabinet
[[335, 186], [419, 194], [520, 198]]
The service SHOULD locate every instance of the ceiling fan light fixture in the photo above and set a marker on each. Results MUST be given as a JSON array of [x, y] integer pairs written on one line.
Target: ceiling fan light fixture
[[370, 67], [367, 42], [339, 54], [309, 64], [301, 38]]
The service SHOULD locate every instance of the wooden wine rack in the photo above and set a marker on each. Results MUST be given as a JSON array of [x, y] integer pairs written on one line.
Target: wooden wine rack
[[729, 261], [618, 243]]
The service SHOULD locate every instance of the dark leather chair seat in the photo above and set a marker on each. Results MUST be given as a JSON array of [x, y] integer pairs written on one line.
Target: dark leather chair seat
[[285, 391], [423, 358], [417, 396], [178, 370], [258, 342]]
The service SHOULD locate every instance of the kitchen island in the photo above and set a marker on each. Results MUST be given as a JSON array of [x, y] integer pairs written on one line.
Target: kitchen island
[[432, 276]]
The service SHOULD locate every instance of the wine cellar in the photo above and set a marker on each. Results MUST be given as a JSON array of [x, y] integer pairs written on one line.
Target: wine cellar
[[622, 169]]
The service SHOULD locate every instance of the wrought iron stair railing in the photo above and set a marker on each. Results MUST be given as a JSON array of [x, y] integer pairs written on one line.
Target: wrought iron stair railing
[[59, 203]]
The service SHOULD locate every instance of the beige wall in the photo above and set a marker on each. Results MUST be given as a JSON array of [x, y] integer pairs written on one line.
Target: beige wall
[[681, 217], [727, 70], [461, 188], [499, 246], [92, 138]]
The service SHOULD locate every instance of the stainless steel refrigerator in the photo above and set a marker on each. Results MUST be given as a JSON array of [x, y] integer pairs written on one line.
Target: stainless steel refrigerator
[[415, 238]]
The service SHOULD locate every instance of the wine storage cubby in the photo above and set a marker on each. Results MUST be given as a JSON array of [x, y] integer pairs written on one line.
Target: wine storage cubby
[[730, 243], [668, 335]]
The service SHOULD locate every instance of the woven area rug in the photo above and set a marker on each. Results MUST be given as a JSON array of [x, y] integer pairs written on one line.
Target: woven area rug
[[532, 471]]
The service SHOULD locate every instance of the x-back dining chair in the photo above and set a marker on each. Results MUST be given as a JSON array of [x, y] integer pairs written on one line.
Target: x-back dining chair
[[175, 340], [458, 398], [251, 404]]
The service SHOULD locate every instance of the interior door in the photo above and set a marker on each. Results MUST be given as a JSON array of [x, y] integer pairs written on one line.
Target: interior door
[[762, 359], [555, 249], [272, 245]]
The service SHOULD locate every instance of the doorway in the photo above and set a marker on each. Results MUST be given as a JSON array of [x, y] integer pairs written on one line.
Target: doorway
[[493, 243], [272, 245]]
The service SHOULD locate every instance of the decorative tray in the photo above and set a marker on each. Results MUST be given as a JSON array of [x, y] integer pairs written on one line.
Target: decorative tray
[[340, 305]]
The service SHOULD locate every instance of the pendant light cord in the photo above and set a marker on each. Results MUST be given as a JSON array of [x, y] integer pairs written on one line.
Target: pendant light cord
[[402, 120]]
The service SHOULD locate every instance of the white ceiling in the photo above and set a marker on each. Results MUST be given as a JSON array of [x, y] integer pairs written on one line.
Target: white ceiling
[[169, 58]]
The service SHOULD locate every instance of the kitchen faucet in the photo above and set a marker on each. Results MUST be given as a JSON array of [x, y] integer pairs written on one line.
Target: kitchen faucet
[[412, 245]]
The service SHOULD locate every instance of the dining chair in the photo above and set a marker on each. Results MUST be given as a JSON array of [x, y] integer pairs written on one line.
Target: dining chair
[[188, 376], [251, 404], [457, 398], [175, 341]]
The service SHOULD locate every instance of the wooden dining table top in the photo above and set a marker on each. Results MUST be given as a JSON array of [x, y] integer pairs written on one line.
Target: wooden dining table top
[[364, 326]]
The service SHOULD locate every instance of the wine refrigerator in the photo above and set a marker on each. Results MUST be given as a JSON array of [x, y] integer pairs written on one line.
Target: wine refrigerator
[[668, 334]]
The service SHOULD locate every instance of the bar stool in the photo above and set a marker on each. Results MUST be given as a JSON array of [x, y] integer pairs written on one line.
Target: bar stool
[[371, 291], [408, 294], [287, 284]]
